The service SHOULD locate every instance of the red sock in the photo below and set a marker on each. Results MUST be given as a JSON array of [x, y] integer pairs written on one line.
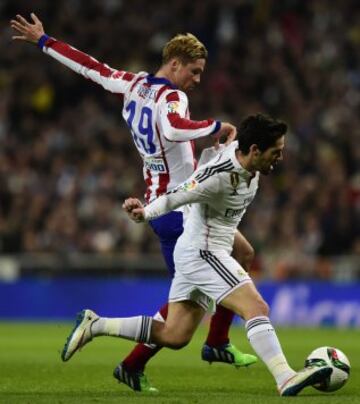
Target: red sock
[[141, 354], [219, 327]]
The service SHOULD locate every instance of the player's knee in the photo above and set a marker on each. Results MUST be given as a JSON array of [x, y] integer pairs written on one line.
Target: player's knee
[[258, 307], [173, 337], [179, 339], [179, 345], [262, 307], [178, 342]]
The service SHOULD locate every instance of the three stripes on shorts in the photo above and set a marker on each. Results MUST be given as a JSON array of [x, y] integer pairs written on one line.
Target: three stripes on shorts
[[220, 268]]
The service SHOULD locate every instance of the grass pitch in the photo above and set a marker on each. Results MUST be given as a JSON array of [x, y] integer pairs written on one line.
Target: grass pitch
[[31, 370]]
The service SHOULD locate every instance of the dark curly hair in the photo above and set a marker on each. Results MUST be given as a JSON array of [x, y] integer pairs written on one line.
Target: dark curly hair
[[261, 130]]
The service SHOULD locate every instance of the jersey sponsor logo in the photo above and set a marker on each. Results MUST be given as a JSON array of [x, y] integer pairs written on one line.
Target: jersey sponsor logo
[[233, 213], [155, 164], [173, 107]]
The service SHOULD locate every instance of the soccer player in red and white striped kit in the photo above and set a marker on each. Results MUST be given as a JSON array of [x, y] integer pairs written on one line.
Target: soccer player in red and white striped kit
[[155, 107]]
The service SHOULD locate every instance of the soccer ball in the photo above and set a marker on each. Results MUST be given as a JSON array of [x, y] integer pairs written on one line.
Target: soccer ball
[[333, 357]]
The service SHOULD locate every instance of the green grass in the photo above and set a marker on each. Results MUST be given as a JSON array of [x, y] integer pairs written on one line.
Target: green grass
[[31, 370]]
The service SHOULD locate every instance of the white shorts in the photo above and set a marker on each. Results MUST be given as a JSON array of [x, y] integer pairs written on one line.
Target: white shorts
[[204, 276]]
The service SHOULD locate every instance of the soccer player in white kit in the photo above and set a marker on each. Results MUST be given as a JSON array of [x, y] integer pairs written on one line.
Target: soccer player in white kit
[[219, 193], [155, 107]]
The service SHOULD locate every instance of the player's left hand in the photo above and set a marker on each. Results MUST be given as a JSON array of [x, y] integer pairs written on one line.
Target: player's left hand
[[30, 32], [135, 209]]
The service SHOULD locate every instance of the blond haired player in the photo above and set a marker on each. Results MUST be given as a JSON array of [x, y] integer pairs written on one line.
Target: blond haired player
[[155, 108]]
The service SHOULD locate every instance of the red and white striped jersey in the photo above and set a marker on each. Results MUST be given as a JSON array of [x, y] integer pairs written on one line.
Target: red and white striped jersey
[[156, 112]]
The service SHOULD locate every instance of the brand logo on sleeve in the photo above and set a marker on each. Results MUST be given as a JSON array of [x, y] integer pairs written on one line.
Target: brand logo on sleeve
[[173, 107], [188, 186]]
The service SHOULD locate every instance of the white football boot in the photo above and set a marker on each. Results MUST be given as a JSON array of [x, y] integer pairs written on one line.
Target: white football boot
[[80, 335], [305, 377]]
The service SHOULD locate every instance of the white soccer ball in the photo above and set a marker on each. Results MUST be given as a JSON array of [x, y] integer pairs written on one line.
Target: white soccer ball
[[335, 358]]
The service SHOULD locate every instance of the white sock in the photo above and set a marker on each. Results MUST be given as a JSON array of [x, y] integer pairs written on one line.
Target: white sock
[[265, 343], [158, 317], [133, 328]]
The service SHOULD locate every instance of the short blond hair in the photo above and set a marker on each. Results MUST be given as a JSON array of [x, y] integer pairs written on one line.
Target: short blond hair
[[186, 47]]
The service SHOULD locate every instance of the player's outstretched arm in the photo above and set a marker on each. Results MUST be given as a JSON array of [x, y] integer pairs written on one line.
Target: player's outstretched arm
[[110, 79], [27, 31]]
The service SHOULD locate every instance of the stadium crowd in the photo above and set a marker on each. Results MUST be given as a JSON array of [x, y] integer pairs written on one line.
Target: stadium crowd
[[67, 160]]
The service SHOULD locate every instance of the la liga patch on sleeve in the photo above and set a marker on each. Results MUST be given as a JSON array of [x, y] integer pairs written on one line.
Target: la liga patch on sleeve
[[173, 107], [188, 185]]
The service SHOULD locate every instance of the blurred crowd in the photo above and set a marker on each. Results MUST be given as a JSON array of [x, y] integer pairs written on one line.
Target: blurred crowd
[[67, 160]]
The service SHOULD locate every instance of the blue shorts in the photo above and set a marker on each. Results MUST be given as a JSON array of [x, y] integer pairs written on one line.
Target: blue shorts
[[168, 228]]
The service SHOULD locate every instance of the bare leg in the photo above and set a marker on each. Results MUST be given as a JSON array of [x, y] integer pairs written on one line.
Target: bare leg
[[182, 321]]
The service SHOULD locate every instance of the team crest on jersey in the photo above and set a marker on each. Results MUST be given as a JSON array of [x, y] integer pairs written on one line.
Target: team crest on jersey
[[173, 107], [235, 180]]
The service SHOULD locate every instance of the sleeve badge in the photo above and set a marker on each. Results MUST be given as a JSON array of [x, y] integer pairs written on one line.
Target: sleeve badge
[[173, 107]]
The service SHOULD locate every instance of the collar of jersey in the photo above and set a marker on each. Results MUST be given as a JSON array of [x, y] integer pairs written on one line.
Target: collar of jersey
[[151, 79], [244, 173]]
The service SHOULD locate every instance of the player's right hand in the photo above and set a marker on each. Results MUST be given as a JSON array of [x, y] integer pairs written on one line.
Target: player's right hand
[[135, 209], [226, 130], [30, 32]]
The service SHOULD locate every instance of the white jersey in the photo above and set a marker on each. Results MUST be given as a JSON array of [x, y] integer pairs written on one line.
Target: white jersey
[[154, 109], [220, 192]]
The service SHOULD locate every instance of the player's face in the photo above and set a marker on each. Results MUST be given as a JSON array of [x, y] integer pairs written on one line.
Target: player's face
[[187, 76], [268, 159]]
